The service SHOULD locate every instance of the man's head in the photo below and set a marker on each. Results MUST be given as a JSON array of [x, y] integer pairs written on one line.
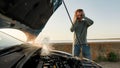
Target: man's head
[[79, 13]]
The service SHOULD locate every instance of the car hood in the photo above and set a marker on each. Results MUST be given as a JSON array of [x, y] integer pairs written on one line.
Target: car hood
[[31, 15]]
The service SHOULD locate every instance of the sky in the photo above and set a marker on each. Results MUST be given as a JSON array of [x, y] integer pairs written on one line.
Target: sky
[[104, 13]]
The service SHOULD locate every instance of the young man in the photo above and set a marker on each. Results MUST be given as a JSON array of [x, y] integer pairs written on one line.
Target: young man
[[80, 25]]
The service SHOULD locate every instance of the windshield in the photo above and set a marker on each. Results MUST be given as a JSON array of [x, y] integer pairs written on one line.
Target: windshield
[[8, 37]]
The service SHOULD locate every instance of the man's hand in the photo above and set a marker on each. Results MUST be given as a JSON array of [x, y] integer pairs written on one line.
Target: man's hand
[[83, 15]]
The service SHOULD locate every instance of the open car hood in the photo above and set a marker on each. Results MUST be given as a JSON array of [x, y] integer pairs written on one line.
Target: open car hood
[[32, 14]]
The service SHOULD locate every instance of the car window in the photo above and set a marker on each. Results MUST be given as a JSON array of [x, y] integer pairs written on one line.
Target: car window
[[7, 40]]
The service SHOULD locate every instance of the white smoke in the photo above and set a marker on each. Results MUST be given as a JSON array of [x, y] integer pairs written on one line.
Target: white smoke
[[46, 47], [44, 43]]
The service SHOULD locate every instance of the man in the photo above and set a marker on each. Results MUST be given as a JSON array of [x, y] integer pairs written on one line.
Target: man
[[80, 25]]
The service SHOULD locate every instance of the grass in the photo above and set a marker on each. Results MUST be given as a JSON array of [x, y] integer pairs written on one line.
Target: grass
[[113, 57]]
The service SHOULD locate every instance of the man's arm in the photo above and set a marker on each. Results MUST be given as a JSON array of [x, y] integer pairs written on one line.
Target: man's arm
[[72, 29], [88, 21]]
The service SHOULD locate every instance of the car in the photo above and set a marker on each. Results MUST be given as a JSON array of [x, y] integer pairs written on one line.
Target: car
[[23, 55], [14, 53]]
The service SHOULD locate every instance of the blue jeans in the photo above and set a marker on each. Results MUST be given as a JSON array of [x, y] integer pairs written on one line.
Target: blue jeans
[[85, 51]]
